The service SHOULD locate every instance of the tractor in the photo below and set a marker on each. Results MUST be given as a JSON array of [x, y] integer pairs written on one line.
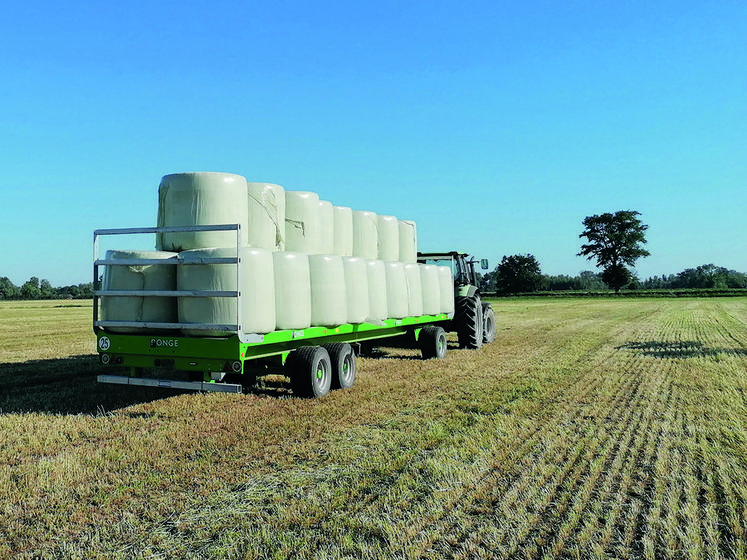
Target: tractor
[[474, 320]]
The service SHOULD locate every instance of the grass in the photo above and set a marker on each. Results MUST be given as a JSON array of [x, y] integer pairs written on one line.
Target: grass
[[589, 429]]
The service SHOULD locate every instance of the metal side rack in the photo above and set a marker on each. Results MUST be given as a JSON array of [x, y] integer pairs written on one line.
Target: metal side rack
[[101, 326], [99, 293]]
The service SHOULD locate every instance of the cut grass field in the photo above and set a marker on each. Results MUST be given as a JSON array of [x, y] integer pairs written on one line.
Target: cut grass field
[[589, 429]]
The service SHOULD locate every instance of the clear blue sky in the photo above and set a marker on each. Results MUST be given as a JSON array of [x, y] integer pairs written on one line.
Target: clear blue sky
[[497, 126]]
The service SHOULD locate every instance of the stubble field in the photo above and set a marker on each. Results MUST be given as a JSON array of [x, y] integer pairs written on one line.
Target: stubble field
[[589, 429]]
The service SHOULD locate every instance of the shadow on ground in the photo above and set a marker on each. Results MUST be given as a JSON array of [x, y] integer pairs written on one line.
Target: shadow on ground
[[280, 386], [67, 386], [682, 349]]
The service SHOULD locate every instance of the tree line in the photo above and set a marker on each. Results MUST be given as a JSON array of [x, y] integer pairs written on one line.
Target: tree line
[[518, 274], [615, 241], [34, 288]]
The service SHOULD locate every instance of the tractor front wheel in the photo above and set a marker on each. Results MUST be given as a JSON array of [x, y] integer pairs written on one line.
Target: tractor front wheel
[[488, 322]]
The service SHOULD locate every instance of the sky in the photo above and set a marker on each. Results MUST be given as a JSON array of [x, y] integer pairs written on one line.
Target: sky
[[497, 126]]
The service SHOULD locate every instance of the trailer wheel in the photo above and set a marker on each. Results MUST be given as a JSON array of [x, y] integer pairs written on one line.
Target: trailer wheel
[[310, 371], [432, 341], [468, 319], [343, 364], [488, 322]]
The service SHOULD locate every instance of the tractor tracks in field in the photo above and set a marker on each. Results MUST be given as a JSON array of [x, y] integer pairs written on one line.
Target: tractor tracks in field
[[580, 476], [618, 464]]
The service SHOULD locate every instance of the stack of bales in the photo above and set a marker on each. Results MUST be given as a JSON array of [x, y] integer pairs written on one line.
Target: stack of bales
[[303, 261]]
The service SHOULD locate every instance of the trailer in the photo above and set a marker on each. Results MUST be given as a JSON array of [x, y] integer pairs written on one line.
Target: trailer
[[316, 359]]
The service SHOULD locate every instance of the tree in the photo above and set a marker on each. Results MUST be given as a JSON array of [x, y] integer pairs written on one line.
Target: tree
[[518, 274], [46, 290], [30, 289], [8, 290], [616, 242]]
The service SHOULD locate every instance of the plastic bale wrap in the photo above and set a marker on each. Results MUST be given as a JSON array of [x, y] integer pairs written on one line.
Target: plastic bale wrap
[[365, 235], [328, 296], [446, 289], [356, 289], [408, 241], [387, 229], [292, 290], [431, 289], [199, 199], [377, 302], [398, 305], [139, 277], [414, 290], [326, 228], [343, 245], [266, 216], [302, 222], [257, 290]]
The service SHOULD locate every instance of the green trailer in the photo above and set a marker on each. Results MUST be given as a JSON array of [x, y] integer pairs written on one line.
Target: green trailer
[[316, 359]]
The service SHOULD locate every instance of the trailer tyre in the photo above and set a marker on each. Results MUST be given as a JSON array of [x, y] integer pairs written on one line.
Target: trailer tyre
[[310, 371], [432, 342], [488, 322], [468, 319], [343, 364]]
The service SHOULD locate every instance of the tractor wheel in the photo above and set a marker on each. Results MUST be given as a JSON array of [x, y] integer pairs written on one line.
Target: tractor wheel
[[468, 319], [488, 322], [310, 371], [432, 342], [343, 364]]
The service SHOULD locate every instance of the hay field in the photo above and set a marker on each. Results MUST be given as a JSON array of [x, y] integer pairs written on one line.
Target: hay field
[[589, 429]]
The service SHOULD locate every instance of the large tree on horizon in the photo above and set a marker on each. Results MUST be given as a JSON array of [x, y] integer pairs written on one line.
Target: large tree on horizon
[[616, 242]]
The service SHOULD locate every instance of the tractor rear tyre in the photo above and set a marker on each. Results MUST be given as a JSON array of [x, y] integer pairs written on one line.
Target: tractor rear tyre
[[310, 371], [343, 364], [488, 322], [432, 342], [468, 320]]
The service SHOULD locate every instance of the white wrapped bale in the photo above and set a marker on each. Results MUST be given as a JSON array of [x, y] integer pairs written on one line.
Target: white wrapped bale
[[326, 228], [408, 241], [414, 290], [257, 290], [302, 223], [328, 296], [446, 289], [139, 277], [197, 199], [377, 302], [431, 289], [343, 245], [398, 305], [365, 235], [356, 289], [292, 290], [387, 238], [266, 216]]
